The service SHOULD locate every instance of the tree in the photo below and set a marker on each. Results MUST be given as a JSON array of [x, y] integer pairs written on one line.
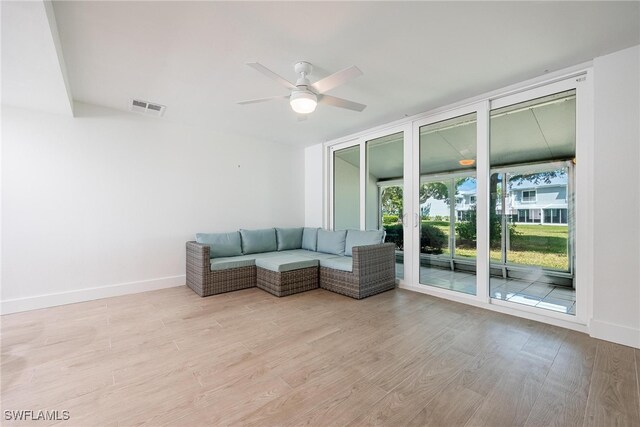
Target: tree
[[439, 190], [392, 203], [425, 210], [537, 178], [434, 190]]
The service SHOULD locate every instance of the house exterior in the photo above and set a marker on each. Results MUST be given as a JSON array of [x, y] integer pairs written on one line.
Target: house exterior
[[537, 203], [465, 201], [527, 203]]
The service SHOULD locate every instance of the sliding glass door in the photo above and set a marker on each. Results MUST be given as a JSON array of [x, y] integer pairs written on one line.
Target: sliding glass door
[[532, 194], [482, 202], [384, 196], [368, 188], [447, 203]]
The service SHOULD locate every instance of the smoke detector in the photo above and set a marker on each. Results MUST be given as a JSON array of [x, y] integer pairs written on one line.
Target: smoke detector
[[146, 108]]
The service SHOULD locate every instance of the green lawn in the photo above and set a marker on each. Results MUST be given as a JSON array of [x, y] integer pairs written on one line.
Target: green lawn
[[536, 245]]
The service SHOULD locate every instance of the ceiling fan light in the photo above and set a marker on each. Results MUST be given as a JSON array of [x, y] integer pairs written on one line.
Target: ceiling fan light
[[303, 101]]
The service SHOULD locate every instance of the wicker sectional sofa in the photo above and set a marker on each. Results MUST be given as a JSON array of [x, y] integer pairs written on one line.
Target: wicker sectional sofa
[[284, 261]]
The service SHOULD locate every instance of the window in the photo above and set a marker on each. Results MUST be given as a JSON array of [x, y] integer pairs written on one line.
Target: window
[[523, 215], [529, 196], [472, 200], [346, 188], [555, 216]]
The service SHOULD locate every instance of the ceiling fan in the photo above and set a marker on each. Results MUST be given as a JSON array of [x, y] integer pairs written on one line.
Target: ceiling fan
[[305, 96]]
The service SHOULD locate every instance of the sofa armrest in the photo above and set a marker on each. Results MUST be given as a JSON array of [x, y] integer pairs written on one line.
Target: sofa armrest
[[373, 259], [198, 255]]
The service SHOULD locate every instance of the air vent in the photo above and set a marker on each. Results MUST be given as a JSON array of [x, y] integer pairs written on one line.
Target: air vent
[[146, 108]]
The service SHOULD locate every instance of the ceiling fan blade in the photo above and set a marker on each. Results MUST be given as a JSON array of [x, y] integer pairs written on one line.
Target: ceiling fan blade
[[267, 72], [271, 98], [339, 102], [336, 79]]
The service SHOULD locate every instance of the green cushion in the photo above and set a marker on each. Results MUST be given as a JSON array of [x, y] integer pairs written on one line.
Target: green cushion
[[343, 263], [310, 238], [255, 241], [285, 263], [266, 254], [289, 238], [301, 252], [362, 238], [311, 254], [331, 242], [231, 262], [221, 244]]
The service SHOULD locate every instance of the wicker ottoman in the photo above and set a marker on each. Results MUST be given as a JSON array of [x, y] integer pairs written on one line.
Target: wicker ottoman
[[286, 275]]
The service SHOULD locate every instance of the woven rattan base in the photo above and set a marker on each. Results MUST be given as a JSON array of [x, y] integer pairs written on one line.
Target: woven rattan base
[[287, 282], [218, 282], [345, 283]]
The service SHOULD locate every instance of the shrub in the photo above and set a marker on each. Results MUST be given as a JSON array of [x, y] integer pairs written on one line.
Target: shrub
[[466, 230], [389, 219], [432, 239], [395, 234]]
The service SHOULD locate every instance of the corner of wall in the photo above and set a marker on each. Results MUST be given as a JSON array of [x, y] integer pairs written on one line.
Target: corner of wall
[[618, 334], [616, 236], [313, 185]]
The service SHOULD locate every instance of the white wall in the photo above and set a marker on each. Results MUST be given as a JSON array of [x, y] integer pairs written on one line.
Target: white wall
[[616, 308], [313, 186], [109, 198]]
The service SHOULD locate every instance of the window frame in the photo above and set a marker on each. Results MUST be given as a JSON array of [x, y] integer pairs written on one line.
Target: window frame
[[528, 200]]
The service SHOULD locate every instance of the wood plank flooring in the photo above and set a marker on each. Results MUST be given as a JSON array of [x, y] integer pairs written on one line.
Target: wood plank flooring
[[247, 358]]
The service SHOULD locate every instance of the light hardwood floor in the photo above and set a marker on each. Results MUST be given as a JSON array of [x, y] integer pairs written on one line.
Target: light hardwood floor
[[247, 358]]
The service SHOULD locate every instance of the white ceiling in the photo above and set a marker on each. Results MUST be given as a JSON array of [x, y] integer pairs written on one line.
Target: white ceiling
[[32, 74], [415, 55], [531, 132]]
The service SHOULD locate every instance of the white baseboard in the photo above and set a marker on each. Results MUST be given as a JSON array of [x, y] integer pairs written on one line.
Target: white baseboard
[[615, 333], [61, 298], [517, 312], [597, 329]]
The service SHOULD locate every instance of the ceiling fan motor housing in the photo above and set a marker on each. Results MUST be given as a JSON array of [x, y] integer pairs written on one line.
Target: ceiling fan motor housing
[[304, 69]]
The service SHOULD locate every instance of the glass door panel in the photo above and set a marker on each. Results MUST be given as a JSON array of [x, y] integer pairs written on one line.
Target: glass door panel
[[346, 188], [465, 221], [447, 204], [384, 191], [532, 152]]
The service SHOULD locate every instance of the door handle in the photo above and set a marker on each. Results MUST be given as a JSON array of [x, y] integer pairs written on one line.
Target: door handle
[[416, 220], [404, 219]]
